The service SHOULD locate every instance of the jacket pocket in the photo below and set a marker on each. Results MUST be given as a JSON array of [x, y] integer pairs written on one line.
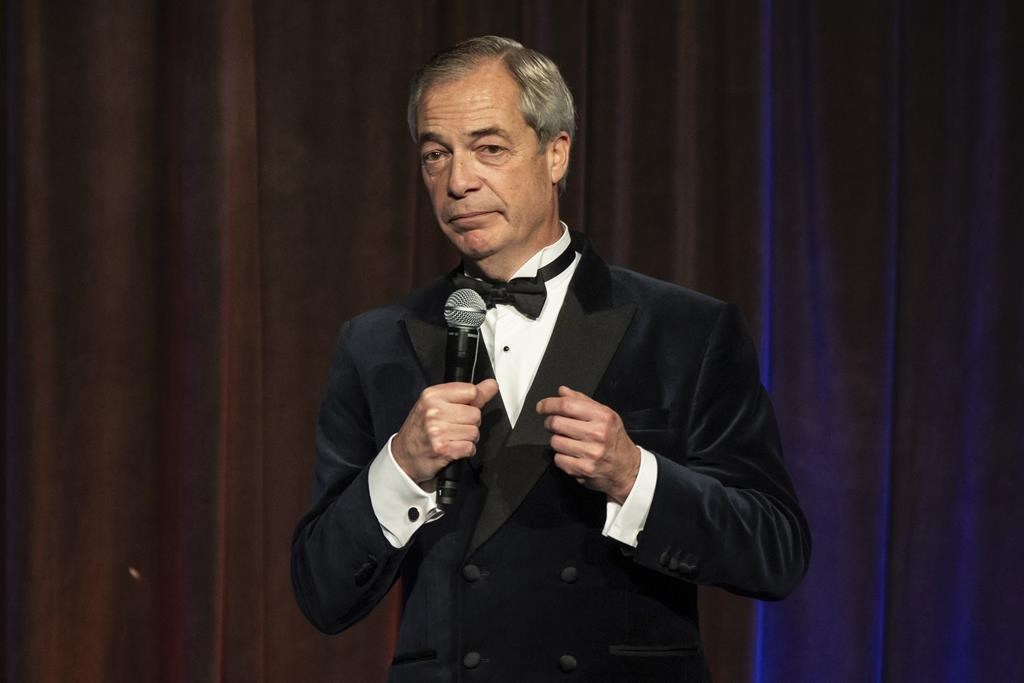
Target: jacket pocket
[[645, 418], [674, 650], [414, 656]]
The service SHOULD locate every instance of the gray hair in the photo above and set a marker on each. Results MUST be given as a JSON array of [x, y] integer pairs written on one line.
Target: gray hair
[[544, 99]]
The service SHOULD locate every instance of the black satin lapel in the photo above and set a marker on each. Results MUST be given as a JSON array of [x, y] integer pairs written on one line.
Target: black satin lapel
[[494, 424], [578, 353], [428, 342]]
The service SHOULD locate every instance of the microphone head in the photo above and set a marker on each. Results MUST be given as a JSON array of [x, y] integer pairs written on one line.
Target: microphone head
[[465, 309]]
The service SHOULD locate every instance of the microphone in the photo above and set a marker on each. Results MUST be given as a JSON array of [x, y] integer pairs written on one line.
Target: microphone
[[464, 312]]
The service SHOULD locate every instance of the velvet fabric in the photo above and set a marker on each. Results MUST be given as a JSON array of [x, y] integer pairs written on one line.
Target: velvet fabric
[[197, 192], [681, 371]]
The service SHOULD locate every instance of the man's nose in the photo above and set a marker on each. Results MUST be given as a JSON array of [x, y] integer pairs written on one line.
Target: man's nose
[[463, 178]]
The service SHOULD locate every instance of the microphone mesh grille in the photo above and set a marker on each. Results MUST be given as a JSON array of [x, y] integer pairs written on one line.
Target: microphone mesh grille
[[465, 309]]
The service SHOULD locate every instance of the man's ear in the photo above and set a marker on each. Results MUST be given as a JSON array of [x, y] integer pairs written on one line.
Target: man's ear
[[558, 156]]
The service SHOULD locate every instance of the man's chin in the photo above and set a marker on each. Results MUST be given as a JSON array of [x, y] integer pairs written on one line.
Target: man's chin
[[473, 244], [476, 254]]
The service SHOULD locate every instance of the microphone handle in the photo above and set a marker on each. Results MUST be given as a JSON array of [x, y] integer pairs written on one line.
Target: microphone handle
[[459, 365]]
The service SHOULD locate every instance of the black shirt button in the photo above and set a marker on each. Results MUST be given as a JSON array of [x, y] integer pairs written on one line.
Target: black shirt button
[[471, 660], [567, 663], [570, 574], [414, 514], [471, 572]]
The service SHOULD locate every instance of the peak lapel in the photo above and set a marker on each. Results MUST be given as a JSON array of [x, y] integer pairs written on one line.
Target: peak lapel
[[425, 329], [581, 346], [427, 340], [494, 424]]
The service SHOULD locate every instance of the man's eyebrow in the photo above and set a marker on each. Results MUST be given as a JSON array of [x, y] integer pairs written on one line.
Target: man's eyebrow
[[432, 137], [493, 130], [429, 136]]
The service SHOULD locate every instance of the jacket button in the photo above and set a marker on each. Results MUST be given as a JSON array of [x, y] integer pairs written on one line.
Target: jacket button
[[688, 563], [570, 574], [471, 572], [567, 663], [365, 571], [414, 514], [471, 660]]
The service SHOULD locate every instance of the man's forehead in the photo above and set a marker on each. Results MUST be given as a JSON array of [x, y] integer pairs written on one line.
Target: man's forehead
[[487, 97], [440, 136], [486, 73]]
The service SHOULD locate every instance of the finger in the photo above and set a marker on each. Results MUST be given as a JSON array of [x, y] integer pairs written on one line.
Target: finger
[[574, 467], [457, 450], [485, 391], [574, 448], [567, 426], [444, 434], [577, 407], [566, 391], [455, 413], [568, 402]]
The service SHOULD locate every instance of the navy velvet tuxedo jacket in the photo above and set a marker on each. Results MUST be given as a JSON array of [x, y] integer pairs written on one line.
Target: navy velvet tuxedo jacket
[[516, 583]]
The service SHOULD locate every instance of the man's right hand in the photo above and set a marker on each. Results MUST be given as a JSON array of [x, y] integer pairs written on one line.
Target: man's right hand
[[443, 425]]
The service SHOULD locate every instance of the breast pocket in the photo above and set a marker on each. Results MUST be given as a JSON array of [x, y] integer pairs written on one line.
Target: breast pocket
[[651, 428], [645, 418], [681, 662]]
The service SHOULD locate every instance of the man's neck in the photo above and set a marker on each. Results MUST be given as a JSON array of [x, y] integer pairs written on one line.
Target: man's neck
[[508, 268]]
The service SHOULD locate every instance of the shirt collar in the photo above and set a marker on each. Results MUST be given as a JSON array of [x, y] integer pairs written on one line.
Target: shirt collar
[[545, 255]]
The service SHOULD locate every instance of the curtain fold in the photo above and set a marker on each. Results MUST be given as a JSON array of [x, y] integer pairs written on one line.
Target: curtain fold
[[197, 194]]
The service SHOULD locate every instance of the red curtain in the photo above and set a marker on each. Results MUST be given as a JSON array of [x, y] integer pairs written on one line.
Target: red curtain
[[198, 193]]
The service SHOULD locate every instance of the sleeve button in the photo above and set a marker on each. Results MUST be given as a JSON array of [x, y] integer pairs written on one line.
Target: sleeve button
[[688, 563]]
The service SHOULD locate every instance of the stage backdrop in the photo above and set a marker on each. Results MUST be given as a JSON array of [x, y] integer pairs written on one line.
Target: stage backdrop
[[198, 192]]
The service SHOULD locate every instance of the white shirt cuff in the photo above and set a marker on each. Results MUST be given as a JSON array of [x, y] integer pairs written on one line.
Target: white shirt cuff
[[625, 522], [399, 503]]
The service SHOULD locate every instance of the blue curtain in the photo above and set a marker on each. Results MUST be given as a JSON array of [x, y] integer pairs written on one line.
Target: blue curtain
[[197, 193]]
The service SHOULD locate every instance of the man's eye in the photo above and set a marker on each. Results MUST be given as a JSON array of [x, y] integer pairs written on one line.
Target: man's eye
[[492, 149], [433, 156]]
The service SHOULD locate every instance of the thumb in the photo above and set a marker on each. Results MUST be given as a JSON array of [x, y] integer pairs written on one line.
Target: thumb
[[485, 391]]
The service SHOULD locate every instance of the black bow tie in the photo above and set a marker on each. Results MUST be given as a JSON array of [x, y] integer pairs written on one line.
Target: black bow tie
[[527, 294]]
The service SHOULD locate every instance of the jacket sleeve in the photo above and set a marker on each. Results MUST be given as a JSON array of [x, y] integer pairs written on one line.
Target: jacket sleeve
[[726, 513], [342, 565]]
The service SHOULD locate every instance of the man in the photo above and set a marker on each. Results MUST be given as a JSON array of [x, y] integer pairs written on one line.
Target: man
[[618, 450]]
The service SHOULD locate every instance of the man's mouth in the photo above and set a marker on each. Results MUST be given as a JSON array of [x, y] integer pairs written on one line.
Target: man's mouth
[[469, 217]]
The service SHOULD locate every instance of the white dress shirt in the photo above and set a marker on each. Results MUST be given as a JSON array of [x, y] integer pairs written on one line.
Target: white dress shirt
[[515, 345]]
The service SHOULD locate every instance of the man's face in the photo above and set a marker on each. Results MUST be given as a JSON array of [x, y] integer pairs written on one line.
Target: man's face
[[494, 191]]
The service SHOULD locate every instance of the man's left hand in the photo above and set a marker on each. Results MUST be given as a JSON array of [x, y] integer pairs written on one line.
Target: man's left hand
[[590, 443]]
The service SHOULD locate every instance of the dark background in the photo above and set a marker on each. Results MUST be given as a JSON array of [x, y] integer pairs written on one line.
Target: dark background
[[198, 193]]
